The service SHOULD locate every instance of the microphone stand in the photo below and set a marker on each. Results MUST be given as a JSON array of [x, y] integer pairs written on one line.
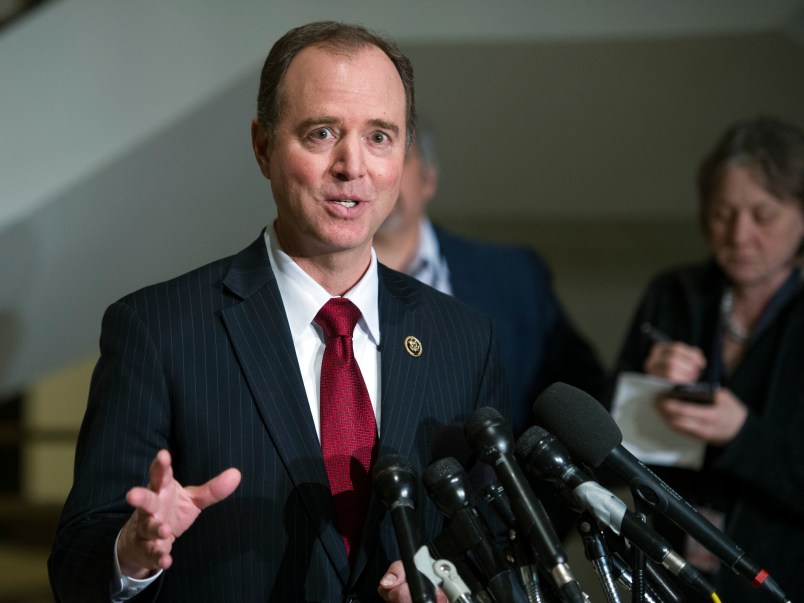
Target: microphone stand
[[611, 568], [523, 553], [659, 586], [597, 553], [638, 561], [624, 578]]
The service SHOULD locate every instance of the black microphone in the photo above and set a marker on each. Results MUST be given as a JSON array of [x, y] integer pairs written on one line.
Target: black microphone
[[547, 458], [491, 439], [450, 441], [395, 482], [449, 487], [592, 436]]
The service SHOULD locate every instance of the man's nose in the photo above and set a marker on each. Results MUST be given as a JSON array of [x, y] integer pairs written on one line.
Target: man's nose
[[349, 160]]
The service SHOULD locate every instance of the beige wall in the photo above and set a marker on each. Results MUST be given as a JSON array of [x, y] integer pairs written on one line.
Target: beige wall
[[595, 128], [52, 413], [587, 151]]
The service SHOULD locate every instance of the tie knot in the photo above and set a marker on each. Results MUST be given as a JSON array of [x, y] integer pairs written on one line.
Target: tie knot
[[338, 317]]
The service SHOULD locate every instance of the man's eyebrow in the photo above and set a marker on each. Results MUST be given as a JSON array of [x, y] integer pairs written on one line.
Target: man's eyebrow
[[328, 120], [321, 120], [385, 125]]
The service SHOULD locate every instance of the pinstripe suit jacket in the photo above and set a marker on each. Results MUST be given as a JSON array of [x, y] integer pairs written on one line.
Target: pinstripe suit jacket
[[204, 366]]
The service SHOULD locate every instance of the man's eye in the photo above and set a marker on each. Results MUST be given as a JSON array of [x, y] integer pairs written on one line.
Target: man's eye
[[320, 133], [379, 137]]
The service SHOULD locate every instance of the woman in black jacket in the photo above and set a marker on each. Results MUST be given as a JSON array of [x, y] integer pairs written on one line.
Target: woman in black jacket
[[737, 321]]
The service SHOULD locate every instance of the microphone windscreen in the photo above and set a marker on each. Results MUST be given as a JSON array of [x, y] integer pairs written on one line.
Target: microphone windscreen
[[440, 470], [481, 418], [582, 423], [392, 462], [528, 440]]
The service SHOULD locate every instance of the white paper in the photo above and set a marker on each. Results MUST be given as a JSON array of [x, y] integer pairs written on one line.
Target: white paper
[[645, 435]]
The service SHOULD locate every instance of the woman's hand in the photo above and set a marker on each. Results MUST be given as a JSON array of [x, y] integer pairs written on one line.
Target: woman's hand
[[717, 423], [675, 361]]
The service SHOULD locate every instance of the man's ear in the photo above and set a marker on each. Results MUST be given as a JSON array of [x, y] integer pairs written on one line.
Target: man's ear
[[429, 183], [261, 146]]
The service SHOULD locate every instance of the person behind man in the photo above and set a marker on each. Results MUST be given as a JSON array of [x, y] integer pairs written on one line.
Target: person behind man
[[227, 377], [512, 284], [735, 321]]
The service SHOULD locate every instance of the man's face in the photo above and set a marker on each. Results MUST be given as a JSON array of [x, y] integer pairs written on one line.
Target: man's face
[[336, 161]]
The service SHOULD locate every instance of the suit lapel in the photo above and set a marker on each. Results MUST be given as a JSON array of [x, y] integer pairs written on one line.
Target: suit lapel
[[261, 337], [404, 375]]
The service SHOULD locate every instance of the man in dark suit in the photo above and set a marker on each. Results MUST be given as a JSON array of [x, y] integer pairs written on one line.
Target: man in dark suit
[[218, 372], [511, 284]]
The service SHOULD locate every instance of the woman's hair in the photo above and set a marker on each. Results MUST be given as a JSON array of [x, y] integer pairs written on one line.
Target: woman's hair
[[772, 147]]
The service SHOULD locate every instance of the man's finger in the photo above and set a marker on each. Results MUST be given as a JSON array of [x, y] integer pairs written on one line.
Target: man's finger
[[394, 576], [144, 499], [161, 472], [216, 489]]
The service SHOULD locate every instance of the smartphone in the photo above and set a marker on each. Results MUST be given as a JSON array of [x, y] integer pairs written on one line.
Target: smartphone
[[697, 393]]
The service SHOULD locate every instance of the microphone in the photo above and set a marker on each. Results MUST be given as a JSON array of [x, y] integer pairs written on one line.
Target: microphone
[[492, 442], [546, 457], [449, 487], [395, 483], [450, 441], [590, 433]]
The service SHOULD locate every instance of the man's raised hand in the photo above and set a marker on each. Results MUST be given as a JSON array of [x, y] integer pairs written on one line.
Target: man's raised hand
[[162, 512]]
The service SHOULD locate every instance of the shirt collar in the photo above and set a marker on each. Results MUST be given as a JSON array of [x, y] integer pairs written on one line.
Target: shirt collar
[[303, 297], [428, 265], [427, 253]]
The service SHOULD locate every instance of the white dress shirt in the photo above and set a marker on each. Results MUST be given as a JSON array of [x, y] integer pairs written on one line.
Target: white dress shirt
[[303, 297]]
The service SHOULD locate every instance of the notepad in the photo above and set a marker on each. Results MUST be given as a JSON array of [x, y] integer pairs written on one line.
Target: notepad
[[645, 435]]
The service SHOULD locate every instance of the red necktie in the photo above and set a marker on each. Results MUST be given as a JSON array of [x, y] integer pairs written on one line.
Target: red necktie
[[348, 426]]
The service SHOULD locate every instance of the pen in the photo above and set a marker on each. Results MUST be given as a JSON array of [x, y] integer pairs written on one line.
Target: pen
[[657, 336], [653, 333]]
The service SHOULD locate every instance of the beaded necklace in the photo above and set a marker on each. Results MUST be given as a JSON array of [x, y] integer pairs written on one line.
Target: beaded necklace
[[734, 331]]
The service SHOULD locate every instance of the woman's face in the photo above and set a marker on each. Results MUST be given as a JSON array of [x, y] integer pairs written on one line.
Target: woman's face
[[754, 235]]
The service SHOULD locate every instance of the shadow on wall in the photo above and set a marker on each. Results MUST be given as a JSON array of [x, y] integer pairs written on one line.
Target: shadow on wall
[[20, 254]]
